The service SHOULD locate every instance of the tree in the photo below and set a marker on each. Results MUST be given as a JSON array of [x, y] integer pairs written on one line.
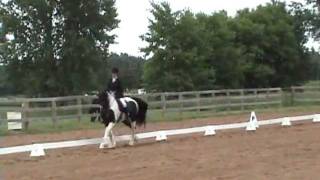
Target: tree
[[58, 45], [314, 20], [174, 42], [263, 47], [315, 65], [86, 31], [272, 42], [4, 86], [2, 35], [220, 50]]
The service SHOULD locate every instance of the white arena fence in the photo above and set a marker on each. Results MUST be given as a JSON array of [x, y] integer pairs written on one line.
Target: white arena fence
[[38, 149]]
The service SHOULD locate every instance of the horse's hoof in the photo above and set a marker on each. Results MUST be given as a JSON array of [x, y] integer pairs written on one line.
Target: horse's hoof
[[111, 146], [101, 146], [131, 143]]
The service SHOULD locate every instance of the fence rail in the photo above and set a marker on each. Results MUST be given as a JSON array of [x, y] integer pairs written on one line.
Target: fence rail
[[76, 107], [158, 135]]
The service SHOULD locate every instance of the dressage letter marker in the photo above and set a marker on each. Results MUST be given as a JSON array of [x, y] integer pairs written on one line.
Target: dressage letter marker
[[253, 122], [17, 125], [254, 119]]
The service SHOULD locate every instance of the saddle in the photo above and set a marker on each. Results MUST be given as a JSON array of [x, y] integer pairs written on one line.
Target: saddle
[[125, 107], [122, 104]]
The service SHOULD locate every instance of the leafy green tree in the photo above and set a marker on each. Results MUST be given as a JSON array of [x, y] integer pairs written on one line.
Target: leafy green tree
[[315, 17], [315, 65], [4, 85], [220, 50], [176, 46], [58, 45], [272, 42], [2, 35], [86, 31], [263, 47]]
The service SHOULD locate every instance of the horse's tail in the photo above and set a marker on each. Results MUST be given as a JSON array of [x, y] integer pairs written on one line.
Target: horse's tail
[[142, 113]]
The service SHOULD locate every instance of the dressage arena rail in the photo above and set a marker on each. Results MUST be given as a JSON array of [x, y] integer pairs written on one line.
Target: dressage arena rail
[[161, 135], [76, 107]]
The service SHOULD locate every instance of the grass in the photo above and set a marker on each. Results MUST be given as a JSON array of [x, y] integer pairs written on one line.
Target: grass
[[46, 126], [313, 83]]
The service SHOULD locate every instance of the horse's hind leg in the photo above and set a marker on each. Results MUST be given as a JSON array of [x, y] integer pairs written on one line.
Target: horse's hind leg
[[107, 138], [133, 135]]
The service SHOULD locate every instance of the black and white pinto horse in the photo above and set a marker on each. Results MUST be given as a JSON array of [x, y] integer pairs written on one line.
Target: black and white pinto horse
[[109, 114]]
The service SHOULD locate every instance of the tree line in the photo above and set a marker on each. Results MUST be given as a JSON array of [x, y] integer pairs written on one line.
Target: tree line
[[262, 47], [58, 45], [62, 48]]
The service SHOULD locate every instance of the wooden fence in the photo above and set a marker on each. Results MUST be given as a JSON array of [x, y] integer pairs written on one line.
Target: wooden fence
[[305, 95], [76, 107], [55, 109], [215, 100]]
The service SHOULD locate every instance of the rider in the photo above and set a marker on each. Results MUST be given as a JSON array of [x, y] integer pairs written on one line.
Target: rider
[[115, 86]]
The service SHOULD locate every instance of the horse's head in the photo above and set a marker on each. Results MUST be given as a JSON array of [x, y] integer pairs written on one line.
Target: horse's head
[[103, 101], [95, 111]]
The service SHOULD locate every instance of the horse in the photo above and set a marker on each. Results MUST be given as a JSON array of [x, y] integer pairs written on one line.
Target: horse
[[110, 115]]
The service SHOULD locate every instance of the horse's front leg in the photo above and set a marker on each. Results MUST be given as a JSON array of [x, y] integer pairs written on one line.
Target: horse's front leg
[[107, 138], [133, 134], [113, 142]]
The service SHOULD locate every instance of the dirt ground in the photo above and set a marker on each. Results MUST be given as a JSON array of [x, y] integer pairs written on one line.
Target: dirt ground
[[271, 152]]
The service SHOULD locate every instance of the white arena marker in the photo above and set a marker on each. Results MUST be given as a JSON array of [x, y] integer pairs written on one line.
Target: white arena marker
[[286, 122], [37, 150], [14, 116], [316, 118], [210, 131], [161, 136], [254, 119], [251, 126]]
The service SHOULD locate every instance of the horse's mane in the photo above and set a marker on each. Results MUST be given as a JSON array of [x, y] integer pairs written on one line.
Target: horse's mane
[[105, 113], [103, 99]]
